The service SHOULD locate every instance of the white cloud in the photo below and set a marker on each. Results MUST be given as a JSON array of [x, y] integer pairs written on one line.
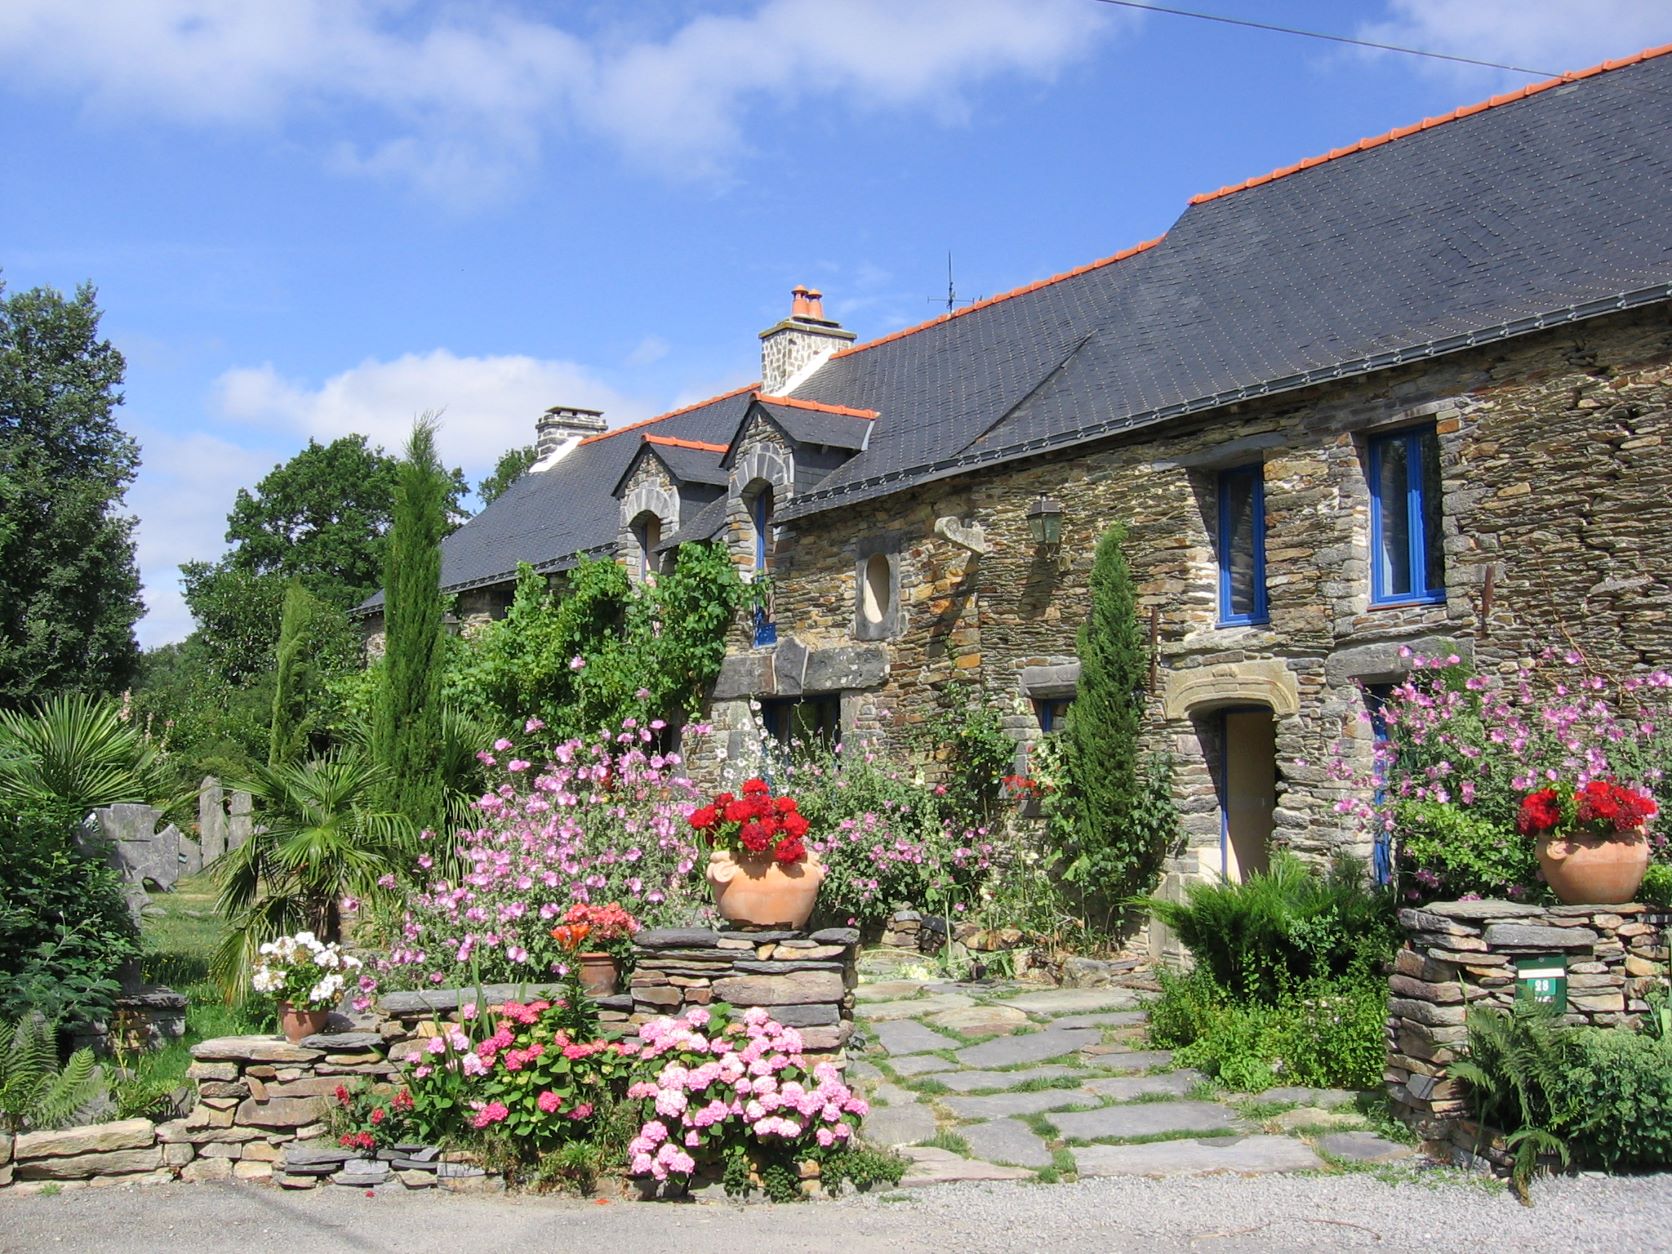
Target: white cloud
[[487, 404], [648, 351], [182, 496], [1544, 35], [460, 99]]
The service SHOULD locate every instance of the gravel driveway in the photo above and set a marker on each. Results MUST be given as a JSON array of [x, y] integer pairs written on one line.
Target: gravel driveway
[[1343, 1212]]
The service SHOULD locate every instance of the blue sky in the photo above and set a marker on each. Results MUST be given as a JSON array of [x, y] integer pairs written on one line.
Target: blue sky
[[321, 216]]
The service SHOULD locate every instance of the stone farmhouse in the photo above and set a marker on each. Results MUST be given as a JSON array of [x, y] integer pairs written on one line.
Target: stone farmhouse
[[1413, 392]]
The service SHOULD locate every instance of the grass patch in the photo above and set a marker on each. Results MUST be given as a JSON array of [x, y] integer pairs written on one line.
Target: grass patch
[[924, 1085], [891, 1198], [1152, 1137], [951, 1142]]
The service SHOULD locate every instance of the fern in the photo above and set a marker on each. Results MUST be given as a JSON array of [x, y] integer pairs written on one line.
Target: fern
[[1516, 1069], [34, 1092]]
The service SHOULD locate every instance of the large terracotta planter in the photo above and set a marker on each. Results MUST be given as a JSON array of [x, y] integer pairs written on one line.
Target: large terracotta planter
[[763, 892], [296, 1024], [598, 973], [1594, 870]]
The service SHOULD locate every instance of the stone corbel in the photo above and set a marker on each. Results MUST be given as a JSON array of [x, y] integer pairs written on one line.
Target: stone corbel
[[971, 536]]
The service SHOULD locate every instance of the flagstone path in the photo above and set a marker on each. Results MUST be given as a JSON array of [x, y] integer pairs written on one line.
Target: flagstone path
[[1000, 1082]]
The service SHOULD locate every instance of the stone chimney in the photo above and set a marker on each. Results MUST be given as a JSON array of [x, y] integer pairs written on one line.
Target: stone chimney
[[794, 348], [562, 427]]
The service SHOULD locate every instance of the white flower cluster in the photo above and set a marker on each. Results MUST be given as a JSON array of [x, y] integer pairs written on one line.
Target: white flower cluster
[[303, 970]]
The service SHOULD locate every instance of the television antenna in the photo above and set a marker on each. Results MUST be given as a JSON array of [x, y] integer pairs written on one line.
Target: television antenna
[[953, 300]]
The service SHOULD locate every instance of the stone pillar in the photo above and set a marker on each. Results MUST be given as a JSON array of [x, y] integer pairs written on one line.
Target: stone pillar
[[1461, 953], [211, 818], [240, 825]]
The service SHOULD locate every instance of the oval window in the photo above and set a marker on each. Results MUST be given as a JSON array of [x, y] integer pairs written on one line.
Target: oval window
[[874, 589]]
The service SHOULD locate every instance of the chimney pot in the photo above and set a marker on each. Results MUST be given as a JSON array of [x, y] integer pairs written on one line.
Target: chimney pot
[[815, 304], [800, 306]]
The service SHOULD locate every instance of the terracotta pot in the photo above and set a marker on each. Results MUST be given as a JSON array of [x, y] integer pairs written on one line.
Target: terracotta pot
[[762, 891], [295, 1024], [1594, 870], [599, 973]]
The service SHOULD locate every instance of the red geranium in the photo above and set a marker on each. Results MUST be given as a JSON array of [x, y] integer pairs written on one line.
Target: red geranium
[[1599, 807], [754, 824]]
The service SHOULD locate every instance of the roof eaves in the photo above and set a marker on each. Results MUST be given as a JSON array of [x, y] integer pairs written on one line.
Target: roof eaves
[[672, 413], [1428, 124], [816, 502], [841, 411]]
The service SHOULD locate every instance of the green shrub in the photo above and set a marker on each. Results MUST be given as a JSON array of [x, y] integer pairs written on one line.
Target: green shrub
[[1448, 851], [1623, 1081], [1657, 885], [1281, 928], [65, 929], [1327, 1033]]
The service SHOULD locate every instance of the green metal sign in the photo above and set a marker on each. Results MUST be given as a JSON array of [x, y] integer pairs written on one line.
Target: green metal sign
[[1542, 980]]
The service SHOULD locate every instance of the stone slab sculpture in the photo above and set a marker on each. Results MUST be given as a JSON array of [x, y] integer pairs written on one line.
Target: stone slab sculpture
[[211, 818], [240, 825], [126, 837]]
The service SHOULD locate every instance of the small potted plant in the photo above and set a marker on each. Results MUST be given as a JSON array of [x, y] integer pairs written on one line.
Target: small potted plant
[[1591, 843], [609, 929], [306, 976], [760, 869]]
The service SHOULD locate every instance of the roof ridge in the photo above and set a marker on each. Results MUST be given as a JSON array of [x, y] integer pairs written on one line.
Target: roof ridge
[[1428, 124], [793, 403], [1122, 255], [676, 442], [672, 413]]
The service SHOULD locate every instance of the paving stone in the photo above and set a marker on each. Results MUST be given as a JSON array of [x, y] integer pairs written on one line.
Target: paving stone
[[932, 1165], [979, 1020], [918, 1008], [1309, 1096], [1103, 1019], [861, 1070], [1245, 1155], [894, 1126], [1145, 1119], [917, 1064], [904, 1036], [1007, 1141], [1135, 1059], [886, 1094], [1003, 1105], [1035, 1047], [1124, 1088], [888, 990], [1069, 1001], [970, 1081], [1316, 1117], [1365, 1147]]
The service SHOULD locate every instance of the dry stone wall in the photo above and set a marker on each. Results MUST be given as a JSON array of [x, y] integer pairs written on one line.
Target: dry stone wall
[[1460, 954]]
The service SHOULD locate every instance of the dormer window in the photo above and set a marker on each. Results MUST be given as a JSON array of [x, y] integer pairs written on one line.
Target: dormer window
[[647, 534]]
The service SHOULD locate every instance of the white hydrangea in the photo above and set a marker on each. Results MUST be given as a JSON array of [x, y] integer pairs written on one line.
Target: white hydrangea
[[290, 963]]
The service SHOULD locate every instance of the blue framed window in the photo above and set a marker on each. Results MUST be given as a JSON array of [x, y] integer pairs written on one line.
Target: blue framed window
[[760, 513], [1407, 560], [1242, 546], [648, 533], [1051, 712]]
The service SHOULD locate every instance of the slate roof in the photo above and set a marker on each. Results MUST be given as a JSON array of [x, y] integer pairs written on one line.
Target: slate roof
[[818, 426], [684, 463], [1544, 206]]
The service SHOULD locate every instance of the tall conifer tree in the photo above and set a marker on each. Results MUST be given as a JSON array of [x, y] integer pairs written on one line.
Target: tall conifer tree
[[407, 731]]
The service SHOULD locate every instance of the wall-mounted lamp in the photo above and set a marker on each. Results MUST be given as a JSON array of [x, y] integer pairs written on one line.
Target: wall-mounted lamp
[[1045, 524], [450, 623]]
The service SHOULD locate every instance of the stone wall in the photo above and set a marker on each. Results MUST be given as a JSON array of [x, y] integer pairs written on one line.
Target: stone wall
[[1463, 953], [804, 979], [1553, 467]]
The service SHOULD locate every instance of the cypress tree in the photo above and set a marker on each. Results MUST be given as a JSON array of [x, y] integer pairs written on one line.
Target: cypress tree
[[1116, 854], [288, 737], [406, 736]]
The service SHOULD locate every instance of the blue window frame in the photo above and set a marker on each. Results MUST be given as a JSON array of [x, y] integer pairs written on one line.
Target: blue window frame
[[1407, 560], [760, 513], [1050, 711], [648, 533], [1375, 703], [1242, 546]]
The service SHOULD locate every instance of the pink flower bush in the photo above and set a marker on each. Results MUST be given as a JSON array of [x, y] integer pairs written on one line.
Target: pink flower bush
[[713, 1084], [601, 822]]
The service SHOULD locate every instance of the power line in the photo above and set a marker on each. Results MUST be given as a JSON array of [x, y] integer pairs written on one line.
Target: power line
[[1338, 39]]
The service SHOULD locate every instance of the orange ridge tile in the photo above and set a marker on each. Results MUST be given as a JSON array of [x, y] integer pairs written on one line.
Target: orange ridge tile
[[822, 408], [1400, 132], [676, 442], [672, 413], [1002, 296]]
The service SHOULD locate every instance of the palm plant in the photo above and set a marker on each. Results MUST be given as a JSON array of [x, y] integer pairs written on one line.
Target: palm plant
[[73, 753], [317, 841]]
